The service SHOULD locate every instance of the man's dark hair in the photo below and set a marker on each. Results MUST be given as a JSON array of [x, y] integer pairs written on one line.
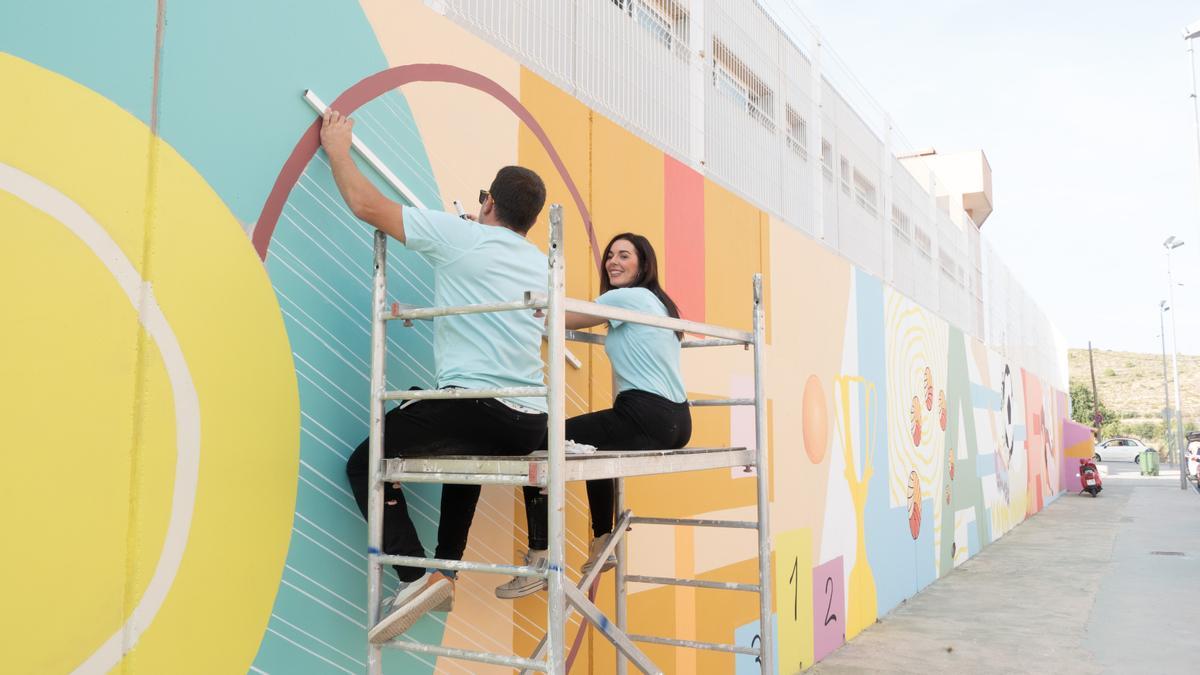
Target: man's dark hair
[[520, 195]]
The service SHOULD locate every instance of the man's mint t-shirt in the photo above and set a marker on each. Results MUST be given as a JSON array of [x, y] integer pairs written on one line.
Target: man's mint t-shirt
[[474, 264], [643, 357]]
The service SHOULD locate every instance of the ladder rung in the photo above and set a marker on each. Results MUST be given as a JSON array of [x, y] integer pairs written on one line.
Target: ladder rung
[[711, 342], [696, 522], [460, 565], [580, 336], [458, 478], [700, 403], [498, 392], [622, 314], [399, 312], [514, 662], [695, 583], [693, 644]]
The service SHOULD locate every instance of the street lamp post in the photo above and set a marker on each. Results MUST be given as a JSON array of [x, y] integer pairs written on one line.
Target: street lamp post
[[1163, 308], [1171, 244], [1189, 34]]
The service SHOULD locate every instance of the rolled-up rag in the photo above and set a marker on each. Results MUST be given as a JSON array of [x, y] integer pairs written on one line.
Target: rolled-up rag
[[573, 448]]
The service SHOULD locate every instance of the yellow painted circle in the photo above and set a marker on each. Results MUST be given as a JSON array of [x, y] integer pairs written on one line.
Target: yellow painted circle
[[90, 427]]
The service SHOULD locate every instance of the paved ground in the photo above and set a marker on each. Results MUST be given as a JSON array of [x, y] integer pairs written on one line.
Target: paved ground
[[1082, 587]]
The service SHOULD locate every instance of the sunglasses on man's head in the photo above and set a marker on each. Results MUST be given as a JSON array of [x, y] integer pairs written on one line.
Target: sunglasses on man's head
[[483, 195]]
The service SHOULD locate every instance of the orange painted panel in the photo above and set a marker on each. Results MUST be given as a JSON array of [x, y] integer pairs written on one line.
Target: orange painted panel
[[732, 250], [627, 184], [626, 195], [566, 122], [735, 609]]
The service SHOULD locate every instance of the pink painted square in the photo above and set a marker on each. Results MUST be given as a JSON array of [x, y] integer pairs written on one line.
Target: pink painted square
[[741, 422], [829, 608], [1069, 475]]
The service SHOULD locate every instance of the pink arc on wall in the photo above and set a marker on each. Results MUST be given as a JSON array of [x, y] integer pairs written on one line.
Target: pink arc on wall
[[374, 86]]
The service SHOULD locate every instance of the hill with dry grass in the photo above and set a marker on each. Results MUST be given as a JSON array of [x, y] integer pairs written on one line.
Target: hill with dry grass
[[1131, 385]]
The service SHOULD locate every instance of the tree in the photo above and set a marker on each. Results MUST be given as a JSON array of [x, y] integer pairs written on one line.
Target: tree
[[1081, 411], [1149, 431]]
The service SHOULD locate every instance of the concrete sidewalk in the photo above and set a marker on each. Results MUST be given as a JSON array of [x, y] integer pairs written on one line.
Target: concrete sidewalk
[[1090, 585]]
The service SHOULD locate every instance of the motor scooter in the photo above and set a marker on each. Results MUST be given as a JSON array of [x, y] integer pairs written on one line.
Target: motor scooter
[[1089, 477]]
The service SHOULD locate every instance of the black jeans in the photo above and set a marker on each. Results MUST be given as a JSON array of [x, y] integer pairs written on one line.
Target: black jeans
[[638, 420], [442, 427]]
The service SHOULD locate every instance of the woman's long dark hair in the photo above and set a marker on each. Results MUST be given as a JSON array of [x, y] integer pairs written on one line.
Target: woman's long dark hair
[[647, 276]]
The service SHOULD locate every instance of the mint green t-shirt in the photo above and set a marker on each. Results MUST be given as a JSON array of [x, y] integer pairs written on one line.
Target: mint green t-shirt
[[472, 264], [643, 357]]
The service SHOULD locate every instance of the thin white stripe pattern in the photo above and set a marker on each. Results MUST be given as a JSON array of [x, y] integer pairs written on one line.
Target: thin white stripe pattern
[[309, 635], [350, 603], [320, 268], [301, 647]]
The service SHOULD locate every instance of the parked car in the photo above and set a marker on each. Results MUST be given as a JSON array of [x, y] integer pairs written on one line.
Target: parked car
[[1120, 450], [1193, 454]]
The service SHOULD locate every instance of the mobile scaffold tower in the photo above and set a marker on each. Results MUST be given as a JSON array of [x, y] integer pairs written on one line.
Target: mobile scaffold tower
[[552, 469]]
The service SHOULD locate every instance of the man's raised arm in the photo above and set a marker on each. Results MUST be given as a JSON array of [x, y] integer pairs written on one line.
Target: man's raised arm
[[366, 202]]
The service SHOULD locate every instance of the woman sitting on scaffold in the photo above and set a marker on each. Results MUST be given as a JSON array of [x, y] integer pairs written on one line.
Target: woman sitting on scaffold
[[650, 412]]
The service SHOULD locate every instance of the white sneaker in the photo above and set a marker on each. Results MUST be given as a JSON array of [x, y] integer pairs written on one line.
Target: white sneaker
[[433, 592], [594, 550], [519, 587]]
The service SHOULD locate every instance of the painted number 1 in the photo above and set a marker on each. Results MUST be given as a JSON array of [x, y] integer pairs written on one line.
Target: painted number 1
[[795, 581]]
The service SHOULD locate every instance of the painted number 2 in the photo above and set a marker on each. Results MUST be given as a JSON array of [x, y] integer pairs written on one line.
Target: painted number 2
[[830, 617]]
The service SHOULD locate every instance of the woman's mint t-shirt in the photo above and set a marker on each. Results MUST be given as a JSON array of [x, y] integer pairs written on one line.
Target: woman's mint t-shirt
[[643, 357]]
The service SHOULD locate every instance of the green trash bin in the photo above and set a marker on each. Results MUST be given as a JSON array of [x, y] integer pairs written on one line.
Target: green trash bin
[[1149, 462]]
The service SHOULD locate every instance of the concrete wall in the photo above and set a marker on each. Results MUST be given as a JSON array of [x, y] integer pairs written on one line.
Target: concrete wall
[[185, 356]]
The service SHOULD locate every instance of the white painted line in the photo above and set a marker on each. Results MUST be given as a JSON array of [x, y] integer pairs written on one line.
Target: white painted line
[[187, 404]]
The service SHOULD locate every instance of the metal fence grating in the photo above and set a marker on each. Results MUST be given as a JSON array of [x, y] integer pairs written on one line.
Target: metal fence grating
[[749, 96]]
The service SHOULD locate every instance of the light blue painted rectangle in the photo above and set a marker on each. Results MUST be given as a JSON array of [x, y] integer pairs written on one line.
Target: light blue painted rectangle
[[985, 465], [1018, 434], [984, 397], [747, 636]]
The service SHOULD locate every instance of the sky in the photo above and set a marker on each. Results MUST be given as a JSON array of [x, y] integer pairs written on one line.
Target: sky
[[1084, 111]]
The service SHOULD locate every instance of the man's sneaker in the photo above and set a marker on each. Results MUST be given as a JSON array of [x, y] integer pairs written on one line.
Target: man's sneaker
[[519, 587], [433, 592], [594, 550]]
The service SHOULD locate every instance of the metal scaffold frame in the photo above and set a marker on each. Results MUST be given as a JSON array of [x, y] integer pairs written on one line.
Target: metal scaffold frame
[[552, 468]]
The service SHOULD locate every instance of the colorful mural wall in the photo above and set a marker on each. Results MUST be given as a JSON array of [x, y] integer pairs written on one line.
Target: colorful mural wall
[[186, 338]]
